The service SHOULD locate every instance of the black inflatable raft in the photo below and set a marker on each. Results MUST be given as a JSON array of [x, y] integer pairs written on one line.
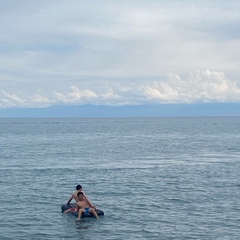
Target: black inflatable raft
[[73, 205]]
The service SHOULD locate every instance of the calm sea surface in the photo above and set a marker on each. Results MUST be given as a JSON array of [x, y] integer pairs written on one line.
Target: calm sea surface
[[155, 178]]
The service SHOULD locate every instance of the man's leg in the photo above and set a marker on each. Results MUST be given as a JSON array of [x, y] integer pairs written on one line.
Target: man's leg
[[92, 210], [80, 213], [70, 210]]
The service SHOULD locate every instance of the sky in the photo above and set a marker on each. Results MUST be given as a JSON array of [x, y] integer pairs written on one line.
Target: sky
[[118, 52]]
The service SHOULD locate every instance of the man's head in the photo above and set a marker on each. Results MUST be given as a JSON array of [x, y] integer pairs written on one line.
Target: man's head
[[78, 187], [80, 195]]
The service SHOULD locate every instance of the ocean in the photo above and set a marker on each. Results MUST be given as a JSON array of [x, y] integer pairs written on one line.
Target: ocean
[[154, 178]]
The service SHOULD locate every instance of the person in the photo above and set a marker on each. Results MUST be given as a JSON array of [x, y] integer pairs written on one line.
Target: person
[[83, 206], [75, 197]]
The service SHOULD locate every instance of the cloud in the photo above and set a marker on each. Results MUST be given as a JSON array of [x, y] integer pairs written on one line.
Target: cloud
[[198, 86], [206, 86], [75, 96]]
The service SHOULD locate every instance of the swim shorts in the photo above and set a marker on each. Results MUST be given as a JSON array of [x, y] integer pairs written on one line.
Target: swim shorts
[[87, 210]]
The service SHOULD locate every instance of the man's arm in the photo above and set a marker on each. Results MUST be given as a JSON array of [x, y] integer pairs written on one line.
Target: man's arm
[[70, 199], [88, 201]]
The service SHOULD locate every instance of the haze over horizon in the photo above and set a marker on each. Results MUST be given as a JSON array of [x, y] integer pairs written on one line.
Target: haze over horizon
[[118, 52]]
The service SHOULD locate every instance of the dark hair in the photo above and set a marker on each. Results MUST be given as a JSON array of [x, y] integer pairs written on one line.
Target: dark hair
[[79, 193], [78, 187]]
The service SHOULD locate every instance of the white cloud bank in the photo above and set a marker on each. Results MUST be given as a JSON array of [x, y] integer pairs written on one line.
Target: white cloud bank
[[206, 86]]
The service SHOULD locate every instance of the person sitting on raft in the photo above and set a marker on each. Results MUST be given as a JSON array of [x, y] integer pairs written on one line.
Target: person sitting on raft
[[83, 206], [75, 197]]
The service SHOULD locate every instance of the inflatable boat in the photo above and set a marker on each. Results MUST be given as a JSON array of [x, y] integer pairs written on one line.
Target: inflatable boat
[[84, 215]]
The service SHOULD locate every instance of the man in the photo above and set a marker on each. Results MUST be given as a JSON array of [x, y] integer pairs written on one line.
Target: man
[[83, 206], [75, 197]]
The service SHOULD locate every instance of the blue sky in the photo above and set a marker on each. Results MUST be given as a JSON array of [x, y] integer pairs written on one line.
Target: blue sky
[[108, 52]]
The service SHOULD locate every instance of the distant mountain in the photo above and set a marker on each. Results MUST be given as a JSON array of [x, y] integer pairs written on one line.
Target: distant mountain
[[160, 110]]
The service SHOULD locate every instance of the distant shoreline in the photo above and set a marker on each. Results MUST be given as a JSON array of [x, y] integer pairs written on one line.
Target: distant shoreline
[[131, 111]]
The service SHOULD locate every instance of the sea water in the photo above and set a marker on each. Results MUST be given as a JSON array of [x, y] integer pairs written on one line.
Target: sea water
[[155, 178]]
